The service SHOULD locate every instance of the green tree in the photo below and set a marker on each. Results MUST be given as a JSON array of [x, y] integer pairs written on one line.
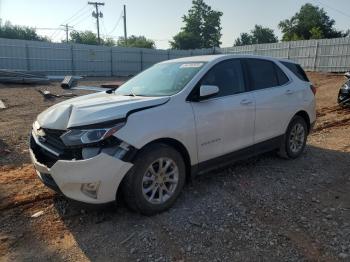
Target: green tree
[[244, 39], [316, 33], [136, 41], [86, 37], [202, 28], [20, 32], [310, 22], [263, 35], [89, 38], [185, 40], [259, 35], [109, 41]]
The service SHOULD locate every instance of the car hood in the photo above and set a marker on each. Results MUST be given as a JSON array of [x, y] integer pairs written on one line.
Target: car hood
[[94, 109]]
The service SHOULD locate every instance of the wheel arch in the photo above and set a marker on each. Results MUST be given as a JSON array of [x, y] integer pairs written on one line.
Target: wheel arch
[[306, 117], [178, 146]]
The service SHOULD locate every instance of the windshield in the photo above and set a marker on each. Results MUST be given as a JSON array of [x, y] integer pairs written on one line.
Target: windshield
[[161, 79]]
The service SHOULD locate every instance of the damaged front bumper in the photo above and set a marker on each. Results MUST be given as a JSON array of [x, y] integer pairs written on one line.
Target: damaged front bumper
[[94, 180]]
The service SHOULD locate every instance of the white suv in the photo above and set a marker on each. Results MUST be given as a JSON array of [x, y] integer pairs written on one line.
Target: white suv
[[170, 122]]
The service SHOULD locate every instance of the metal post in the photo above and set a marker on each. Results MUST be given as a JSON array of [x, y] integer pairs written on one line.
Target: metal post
[[288, 51], [27, 57], [141, 59], [168, 53], [315, 58], [111, 61], [72, 60]]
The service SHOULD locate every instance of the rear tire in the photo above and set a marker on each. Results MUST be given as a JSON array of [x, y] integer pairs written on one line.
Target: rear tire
[[155, 181], [294, 141]]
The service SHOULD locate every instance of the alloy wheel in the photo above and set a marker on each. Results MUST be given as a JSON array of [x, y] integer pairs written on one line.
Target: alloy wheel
[[296, 138], [160, 180]]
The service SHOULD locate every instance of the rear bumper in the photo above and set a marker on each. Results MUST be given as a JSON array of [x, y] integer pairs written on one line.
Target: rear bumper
[[68, 176]]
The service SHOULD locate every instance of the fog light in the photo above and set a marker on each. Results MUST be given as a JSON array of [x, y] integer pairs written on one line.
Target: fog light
[[90, 189]]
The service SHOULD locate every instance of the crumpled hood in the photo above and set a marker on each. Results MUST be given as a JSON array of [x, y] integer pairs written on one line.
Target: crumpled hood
[[94, 109]]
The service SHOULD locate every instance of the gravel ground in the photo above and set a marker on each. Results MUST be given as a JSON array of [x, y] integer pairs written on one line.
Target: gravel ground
[[261, 209]]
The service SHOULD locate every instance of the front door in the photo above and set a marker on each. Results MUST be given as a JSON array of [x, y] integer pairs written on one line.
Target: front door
[[224, 123]]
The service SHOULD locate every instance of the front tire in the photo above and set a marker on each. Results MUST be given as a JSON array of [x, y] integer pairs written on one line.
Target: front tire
[[155, 181], [295, 138]]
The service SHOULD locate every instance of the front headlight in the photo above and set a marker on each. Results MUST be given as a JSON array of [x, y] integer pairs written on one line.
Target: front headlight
[[77, 137]]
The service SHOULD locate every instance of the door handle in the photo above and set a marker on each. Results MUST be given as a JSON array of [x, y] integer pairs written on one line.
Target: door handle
[[246, 102], [289, 92]]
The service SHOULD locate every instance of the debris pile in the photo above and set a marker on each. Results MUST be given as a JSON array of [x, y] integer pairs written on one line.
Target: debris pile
[[14, 76], [48, 95], [2, 104]]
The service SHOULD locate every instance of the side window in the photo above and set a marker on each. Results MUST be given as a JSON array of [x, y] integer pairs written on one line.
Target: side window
[[262, 73], [228, 76], [297, 70], [281, 76]]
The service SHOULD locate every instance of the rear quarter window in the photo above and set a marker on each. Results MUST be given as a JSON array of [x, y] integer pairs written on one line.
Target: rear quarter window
[[262, 73], [282, 78], [297, 70]]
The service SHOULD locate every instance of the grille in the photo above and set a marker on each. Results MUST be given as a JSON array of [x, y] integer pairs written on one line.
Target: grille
[[53, 139], [42, 155], [53, 142]]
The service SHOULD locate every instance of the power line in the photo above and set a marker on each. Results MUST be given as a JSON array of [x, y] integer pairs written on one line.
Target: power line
[[104, 29], [76, 13], [76, 16], [47, 28], [83, 14], [117, 23], [83, 19], [333, 8]]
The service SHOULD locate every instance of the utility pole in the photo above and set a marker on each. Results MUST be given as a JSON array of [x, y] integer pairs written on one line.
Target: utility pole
[[66, 28], [97, 15], [125, 33]]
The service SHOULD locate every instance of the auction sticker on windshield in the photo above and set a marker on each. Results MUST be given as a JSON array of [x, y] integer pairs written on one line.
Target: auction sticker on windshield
[[192, 65]]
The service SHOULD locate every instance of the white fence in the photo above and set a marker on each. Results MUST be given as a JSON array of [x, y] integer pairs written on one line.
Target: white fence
[[330, 55], [76, 59]]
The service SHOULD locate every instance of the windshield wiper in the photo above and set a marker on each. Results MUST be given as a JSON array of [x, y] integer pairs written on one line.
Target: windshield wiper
[[131, 93], [112, 90]]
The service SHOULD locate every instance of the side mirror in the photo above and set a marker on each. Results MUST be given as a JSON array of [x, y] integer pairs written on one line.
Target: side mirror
[[207, 91]]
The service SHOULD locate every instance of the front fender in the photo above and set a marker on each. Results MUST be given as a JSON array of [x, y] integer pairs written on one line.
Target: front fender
[[167, 121]]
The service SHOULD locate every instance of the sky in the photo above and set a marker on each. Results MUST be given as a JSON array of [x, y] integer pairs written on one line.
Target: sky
[[160, 20]]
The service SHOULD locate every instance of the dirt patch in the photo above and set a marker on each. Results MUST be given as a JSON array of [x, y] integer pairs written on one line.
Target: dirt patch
[[264, 208]]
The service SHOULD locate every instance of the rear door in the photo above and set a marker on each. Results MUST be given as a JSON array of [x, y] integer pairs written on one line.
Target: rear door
[[274, 98], [224, 123]]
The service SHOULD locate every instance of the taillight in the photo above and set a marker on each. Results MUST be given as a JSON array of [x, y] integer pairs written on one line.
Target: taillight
[[313, 89]]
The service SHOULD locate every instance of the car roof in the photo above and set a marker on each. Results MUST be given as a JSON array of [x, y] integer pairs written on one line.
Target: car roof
[[211, 58]]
